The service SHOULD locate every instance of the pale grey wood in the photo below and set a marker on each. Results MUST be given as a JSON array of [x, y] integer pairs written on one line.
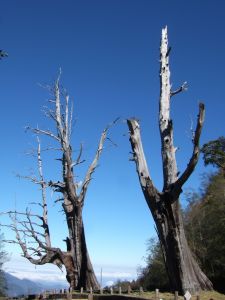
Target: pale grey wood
[[183, 270]]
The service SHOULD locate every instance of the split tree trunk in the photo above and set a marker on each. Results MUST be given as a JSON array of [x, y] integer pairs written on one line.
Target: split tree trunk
[[80, 272], [183, 271]]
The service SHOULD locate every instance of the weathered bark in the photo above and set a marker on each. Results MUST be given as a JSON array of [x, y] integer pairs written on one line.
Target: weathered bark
[[183, 270], [80, 272]]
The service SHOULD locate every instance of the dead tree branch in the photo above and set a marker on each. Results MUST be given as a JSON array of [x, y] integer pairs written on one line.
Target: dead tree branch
[[182, 88], [196, 149]]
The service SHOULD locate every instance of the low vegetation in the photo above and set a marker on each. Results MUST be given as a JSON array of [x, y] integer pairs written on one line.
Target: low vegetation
[[212, 295]]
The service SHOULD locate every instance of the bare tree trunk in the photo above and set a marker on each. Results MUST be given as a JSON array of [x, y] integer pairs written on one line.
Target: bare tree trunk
[[87, 275], [184, 272], [83, 272], [80, 272]]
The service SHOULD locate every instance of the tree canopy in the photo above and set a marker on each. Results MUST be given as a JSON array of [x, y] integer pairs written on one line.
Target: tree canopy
[[214, 153], [154, 274]]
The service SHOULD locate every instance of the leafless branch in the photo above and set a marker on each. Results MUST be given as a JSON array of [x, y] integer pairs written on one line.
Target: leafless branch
[[14, 212], [31, 178], [113, 143], [196, 149], [59, 186], [78, 161], [139, 156], [59, 200], [182, 88], [93, 166], [11, 242], [94, 163], [44, 132], [70, 121], [36, 203]]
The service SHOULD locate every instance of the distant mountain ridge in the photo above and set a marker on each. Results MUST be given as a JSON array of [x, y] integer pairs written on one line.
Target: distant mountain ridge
[[18, 287]]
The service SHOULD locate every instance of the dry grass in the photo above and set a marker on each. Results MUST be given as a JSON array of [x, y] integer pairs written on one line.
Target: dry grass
[[168, 296], [202, 296], [212, 295]]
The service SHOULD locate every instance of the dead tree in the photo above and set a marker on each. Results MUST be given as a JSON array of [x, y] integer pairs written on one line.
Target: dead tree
[[32, 230], [183, 270]]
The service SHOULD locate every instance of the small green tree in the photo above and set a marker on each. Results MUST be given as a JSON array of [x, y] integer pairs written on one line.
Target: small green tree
[[154, 274], [125, 284], [214, 153]]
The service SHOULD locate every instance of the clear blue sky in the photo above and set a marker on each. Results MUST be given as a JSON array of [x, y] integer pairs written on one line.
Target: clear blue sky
[[109, 54]]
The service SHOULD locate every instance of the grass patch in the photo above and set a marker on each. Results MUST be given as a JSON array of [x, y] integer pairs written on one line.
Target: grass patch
[[213, 295]]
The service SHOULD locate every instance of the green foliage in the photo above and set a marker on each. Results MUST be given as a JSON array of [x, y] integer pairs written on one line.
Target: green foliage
[[214, 153], [124, 285], [154, 275], [205, 227]]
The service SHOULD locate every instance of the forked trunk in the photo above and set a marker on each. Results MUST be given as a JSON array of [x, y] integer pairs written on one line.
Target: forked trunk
[[184, 272]]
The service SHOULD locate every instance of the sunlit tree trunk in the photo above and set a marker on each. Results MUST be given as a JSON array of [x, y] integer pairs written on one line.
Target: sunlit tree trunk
[[80, 272], [184, 272]]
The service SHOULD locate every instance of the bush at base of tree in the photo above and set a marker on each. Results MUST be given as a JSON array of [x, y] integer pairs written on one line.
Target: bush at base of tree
[[154, 274]]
